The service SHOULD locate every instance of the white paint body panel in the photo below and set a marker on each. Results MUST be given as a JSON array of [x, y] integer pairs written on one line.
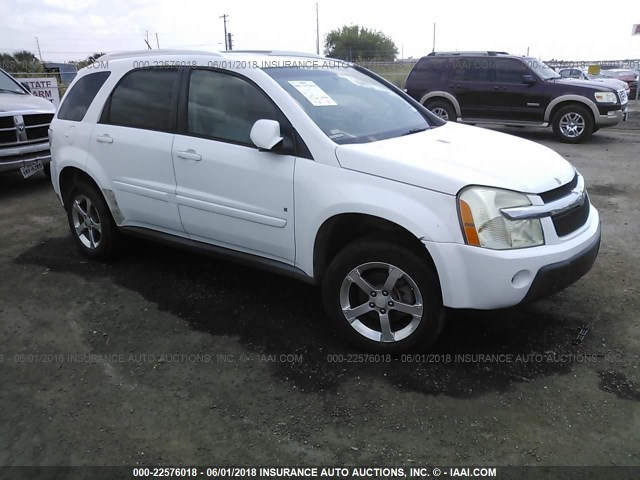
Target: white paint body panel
[[236, 196]]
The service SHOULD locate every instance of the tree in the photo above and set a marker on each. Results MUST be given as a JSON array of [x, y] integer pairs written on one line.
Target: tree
[[89, 60], [27, 62], [355, 43], [8, 63]]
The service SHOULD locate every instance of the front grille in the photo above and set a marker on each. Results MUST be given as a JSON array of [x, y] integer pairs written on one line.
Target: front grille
[[37, 119], [35, 133], [568, 222], [562, 191], [36, 127], [623, 96]]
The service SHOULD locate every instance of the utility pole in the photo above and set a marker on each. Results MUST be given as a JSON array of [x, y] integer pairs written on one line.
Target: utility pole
[[39, 52], [317, 31], [146, 39], [527, 51], [434, 37], [230, 41], [224, 20], [157, 41]]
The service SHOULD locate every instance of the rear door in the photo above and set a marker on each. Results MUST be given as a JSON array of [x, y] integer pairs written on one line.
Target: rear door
[[471, 84], [132, 144], [229, 193]]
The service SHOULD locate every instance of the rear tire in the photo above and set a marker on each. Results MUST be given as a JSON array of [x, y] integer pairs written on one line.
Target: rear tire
[[442, 109], [92, 227], [573, 124], [383, 297]]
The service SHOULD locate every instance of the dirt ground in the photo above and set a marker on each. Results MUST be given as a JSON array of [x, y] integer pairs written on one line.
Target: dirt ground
[[169, 358]]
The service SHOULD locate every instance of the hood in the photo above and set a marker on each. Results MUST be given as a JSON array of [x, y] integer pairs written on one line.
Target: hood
[[583, 83], [14, 102], [609, 82], [452, 156]]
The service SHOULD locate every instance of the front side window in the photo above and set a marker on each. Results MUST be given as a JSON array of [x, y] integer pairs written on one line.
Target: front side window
[[349, 106], [79, 98], [509, 71], [143, 99], [225, 107]]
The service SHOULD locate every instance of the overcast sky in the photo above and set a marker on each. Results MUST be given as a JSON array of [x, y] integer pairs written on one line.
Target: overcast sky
[[561, 29]]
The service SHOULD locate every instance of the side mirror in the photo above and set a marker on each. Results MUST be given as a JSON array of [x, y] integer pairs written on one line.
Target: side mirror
[[26, 85], [528, 79], [265, 134]]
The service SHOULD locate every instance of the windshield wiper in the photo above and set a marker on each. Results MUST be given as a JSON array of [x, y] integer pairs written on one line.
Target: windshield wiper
[[10, 91], [415, 130]]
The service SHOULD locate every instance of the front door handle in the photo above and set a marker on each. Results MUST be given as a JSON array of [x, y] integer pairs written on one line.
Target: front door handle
[[104, 139], [189, 155]]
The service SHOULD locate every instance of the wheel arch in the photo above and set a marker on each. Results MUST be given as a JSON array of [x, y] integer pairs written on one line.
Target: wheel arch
[[566, 100], [441, 95], [70, 175], [341, 229]]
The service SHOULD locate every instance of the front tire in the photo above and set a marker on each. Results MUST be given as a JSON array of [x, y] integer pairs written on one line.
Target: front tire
[[573, 124], [382, 297], [92, 227]]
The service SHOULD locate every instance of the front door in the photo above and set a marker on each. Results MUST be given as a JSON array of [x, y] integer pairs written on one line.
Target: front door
[[228, 192]]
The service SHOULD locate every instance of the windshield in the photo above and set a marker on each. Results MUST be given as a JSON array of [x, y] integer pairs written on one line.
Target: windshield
[[543, 71], [349, 106], [7, 84]]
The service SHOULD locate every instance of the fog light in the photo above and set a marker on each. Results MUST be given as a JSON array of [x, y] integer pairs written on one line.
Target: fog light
[[522, 279]]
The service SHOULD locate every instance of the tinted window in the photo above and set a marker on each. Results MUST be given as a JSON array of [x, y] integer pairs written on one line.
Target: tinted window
[[509, 71], [471, 69], [143, 99], [565, 73], [225, 106], [430, 69], [79, 98]]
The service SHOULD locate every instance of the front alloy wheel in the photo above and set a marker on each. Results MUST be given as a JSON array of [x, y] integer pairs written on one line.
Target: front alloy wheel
[[573, 124], [381, 302], [383, 296]]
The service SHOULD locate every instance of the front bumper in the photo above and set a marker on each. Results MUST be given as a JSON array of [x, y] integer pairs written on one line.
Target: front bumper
[[612, 117], [484, 279], [12, 159]]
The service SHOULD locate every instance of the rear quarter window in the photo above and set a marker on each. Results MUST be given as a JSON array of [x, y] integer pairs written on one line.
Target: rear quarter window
[[79, 98]]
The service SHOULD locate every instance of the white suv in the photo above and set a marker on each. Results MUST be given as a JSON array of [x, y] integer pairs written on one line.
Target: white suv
[[320, 170]]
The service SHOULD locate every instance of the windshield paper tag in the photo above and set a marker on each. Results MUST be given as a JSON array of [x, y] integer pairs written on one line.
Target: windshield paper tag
[[312, 92]]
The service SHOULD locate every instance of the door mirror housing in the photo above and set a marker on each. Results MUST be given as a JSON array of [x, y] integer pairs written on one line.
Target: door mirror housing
[[26, 85], [528, 79], [265, 134]]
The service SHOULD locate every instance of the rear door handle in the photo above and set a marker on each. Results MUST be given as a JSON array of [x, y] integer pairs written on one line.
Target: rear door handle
[[189, 155], [104, 139]]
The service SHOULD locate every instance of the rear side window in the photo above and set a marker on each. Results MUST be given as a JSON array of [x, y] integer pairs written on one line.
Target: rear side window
[[79, 98], [143, 99], [429, 69], [471, 69]]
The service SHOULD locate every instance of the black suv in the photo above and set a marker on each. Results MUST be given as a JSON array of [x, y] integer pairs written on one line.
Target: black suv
[[497, 88]]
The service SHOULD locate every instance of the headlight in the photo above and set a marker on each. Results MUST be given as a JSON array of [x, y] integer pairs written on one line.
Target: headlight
[[605, 97], [484, 225]]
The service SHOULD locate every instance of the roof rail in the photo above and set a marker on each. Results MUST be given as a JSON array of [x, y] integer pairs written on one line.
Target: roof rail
[[490, 53], [152, 53], [277, 53]]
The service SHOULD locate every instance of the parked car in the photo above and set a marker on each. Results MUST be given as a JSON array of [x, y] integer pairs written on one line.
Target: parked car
[[630, 77], [323, 171], [24, 126], [490, 87], [580, 74]]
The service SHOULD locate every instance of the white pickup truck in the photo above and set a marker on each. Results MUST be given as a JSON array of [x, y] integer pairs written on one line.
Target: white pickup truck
[[24, 127]]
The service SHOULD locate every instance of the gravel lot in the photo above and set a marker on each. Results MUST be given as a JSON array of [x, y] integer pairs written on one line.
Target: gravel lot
[[168, 358]]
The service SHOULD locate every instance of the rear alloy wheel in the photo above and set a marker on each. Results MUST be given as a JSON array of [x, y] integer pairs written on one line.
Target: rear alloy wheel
[[573, 124], [383, 298], [93, 229], [442, 109]]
